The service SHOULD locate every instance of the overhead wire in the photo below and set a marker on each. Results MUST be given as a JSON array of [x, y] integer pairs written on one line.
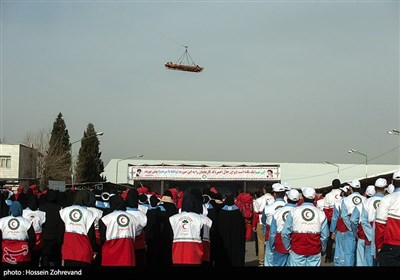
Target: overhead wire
[[172, 40], [349, 167]]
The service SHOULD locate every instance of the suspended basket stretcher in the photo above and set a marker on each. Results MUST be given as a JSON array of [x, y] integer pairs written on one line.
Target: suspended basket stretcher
[[190, 66]]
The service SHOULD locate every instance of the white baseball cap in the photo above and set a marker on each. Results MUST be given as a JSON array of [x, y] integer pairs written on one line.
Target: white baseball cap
[[278, 187], [287, 186], [345, 188], [308, 192], [355, 184], [390, 188], [293, 195], [380, 183], [370, 191]]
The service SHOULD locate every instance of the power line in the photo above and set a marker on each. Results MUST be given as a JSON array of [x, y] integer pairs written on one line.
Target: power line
[[323, 174], [168, 38]]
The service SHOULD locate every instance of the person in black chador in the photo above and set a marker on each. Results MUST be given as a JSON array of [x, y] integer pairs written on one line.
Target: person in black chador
[[152, 233], [166, 231], [6, 198], [232, 230], [53, 231]]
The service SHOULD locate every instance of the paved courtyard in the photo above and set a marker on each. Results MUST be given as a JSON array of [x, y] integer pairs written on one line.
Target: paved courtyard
[[251, 257]]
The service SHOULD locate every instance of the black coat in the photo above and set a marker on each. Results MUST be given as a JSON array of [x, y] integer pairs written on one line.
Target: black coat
[[53, 228], [232, 239], [167, 234], [152, 233]]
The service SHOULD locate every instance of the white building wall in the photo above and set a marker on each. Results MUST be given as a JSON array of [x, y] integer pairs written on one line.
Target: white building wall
[[13, 152], [23, 161]]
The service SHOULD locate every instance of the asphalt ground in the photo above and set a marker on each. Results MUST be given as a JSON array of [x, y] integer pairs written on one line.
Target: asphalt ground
[[252, 260]]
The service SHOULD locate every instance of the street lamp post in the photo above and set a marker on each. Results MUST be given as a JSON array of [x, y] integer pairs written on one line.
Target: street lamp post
[[394, 132], [353, 151], [116, 170], [72, 156], [338, 169]]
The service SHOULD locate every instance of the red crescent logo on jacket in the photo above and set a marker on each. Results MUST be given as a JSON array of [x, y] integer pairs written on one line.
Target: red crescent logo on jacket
[[13, 224], [123, 220], [9, 255], [184, 224], [307, 214], [75, 215], [356, 200]]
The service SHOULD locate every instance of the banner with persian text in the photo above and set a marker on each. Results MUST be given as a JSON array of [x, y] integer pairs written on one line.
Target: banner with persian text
[[190, 173]]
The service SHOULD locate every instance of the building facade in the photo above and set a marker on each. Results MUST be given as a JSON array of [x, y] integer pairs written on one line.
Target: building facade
[[18, 162]]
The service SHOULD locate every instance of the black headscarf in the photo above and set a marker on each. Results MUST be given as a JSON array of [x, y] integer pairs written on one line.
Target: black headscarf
[[229, 200], [32, 201], [167, 193], [116, 203], [154, 201], [336, 184], [132, 198], [198, 204], [23, 200], [82, 198], [143, 198], [191, 204], [207, 191], [51, 195], [197, 194]]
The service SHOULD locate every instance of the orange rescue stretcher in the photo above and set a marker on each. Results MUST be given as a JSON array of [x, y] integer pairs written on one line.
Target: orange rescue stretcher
[[183, 67]]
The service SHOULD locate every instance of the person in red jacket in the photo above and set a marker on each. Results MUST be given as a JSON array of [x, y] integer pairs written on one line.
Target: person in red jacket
[[244, 203], [387, 233]]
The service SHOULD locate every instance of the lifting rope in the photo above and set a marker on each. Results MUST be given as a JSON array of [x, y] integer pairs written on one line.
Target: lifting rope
[[190, 66], [187, 56]]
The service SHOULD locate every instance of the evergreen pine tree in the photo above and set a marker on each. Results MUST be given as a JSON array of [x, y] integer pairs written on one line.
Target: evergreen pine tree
[[57, 162], [89, 165]]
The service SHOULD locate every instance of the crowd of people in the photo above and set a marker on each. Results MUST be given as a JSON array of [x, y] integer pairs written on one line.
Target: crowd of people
[[201, 227], [132, 228]]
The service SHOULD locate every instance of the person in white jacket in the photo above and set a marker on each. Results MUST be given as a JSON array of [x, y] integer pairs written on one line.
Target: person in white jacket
[[305, 232]]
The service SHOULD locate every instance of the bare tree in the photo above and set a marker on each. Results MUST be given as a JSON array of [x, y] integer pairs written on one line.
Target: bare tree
[[50, 161], [55, 164], [40, 141]]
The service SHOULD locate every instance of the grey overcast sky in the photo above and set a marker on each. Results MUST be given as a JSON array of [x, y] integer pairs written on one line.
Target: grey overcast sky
[[283, 81]]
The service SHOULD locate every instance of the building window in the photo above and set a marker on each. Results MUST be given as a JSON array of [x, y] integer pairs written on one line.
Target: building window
[[5, 162]]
